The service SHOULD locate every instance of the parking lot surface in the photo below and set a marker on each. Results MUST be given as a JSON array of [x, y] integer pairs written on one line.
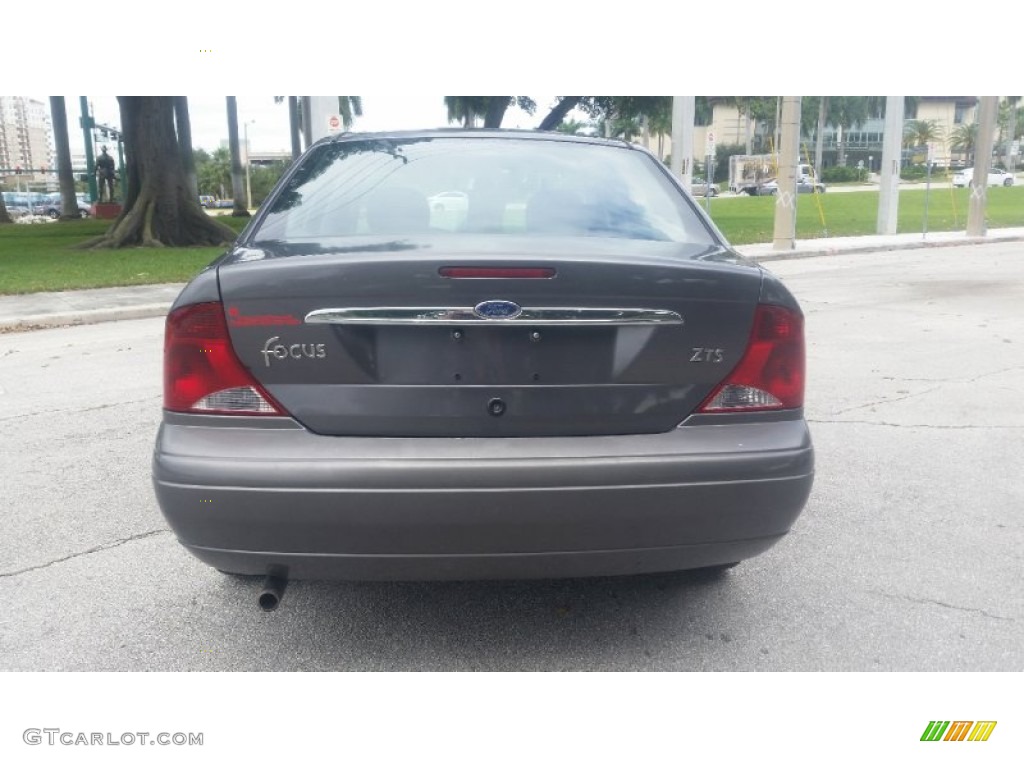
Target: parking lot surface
[[908, 556]]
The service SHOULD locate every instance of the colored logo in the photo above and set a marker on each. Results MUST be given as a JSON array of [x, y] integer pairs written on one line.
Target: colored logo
[[958, 730], [497, 310], [236, 318]]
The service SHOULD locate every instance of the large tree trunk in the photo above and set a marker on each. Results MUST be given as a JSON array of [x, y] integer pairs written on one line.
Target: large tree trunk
[[557, 115], [237, 174], [66, 178], [5, 217], [293, 126], [496, 111], [159, 209], [184, 124]]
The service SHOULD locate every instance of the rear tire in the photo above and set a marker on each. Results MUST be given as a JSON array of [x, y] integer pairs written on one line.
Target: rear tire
[[1008, 183]]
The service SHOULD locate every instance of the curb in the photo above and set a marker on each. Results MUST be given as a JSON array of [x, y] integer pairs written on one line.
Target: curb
[[160, 309], [83, 317]]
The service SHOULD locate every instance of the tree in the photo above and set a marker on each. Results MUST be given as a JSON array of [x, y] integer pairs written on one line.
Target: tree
[[562, 107], [1008, 126], [5, 216], [845, 112], [69, 209], [184, 125], [237, 174], [213, 172], [159, 208], [963, 139], [466, 109], [920, 133], [294, 126]]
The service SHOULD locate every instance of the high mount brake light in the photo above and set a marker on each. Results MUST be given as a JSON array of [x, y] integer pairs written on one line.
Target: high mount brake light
[[534, 273], [771, 375], [202, 374]]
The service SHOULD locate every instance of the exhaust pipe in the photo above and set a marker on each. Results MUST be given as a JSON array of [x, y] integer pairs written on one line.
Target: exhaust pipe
[[273, 588]]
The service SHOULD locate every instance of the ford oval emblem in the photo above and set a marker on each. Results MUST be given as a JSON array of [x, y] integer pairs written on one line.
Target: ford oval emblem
[[497, 310]]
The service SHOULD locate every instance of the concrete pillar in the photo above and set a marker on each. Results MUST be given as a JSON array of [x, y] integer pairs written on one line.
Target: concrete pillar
[[987, 112], [892, 149], [321, 108], [789, 157], [683, 113]]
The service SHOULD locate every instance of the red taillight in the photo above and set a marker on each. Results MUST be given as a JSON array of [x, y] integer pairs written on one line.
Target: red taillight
[[770, 376], [202, 374]]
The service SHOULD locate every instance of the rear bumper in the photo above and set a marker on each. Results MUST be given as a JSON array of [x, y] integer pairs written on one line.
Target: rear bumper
[[269, 493]]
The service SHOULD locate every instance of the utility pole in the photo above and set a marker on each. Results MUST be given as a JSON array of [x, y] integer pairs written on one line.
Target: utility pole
[[785, 198], [892, 149], [683, 113], [987, 111]]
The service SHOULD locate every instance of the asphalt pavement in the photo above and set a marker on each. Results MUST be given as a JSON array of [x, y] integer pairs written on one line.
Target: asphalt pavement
[[97, 305], [907, 557]]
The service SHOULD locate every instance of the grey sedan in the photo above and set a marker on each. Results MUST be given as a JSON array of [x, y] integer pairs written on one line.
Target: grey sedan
[[576, 376]]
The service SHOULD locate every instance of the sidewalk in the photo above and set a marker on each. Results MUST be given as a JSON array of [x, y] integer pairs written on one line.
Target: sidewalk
[[97, 305]]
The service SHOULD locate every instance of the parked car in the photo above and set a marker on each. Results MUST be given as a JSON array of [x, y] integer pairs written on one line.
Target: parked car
[[52, 206], [699, 188], [17, 204], [997, 177], [803, 186], [450, 201], [582, 379], [207, 201]]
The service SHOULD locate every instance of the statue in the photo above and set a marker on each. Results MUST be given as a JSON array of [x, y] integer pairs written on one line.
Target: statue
[[105, 173]]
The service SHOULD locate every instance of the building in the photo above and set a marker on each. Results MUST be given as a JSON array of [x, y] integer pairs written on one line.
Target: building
[[856, 144], [26, 138]]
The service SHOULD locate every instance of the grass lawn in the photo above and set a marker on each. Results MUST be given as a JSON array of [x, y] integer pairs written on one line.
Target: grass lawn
[[41, 257], [750, 219]]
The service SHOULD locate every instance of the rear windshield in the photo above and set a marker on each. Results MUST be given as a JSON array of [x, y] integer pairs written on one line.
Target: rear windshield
[[448, 185]]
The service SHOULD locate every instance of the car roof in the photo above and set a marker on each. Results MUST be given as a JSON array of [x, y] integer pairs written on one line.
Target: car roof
[[475, 133]]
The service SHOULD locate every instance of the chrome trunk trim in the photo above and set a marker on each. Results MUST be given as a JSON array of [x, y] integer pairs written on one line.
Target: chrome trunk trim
[[460, 315]]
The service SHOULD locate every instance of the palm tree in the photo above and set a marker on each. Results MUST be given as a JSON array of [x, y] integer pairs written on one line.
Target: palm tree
[[920, 133], [66, 178], [1008, 127], [237, 182], [963, 139]]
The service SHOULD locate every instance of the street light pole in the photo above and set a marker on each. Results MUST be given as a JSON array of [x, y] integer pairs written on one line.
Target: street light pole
[[248, 164]]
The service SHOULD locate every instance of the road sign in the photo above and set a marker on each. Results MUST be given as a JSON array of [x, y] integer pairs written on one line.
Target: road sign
[[931, 153], [333, 124], [709, 150]]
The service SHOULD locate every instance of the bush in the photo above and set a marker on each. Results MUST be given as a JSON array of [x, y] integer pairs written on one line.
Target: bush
[[840, 173], [913, 172]]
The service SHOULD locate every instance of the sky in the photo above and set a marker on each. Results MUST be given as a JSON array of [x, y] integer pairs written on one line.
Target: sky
[[268, 122]]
